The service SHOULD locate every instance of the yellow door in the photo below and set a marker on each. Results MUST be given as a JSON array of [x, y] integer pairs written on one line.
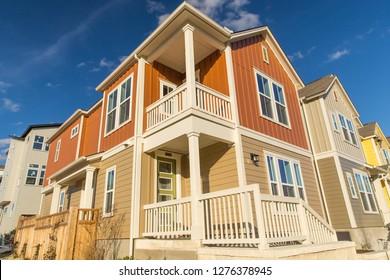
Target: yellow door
[[166, 179]]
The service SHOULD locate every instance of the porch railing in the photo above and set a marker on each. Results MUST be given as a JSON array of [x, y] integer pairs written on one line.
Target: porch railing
[[168, 219], [241, 216], [206, 100]]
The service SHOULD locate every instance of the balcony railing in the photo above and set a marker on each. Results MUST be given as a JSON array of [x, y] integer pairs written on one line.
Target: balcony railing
[[206, 100], [241, 216]]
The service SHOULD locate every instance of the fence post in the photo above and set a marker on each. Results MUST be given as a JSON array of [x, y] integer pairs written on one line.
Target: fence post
[[303, 223], [259, 218], [70, 233]]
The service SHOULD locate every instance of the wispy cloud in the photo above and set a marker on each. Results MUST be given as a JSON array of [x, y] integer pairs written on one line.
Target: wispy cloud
[[363, 35], [104, 62], [337, 55], [301, 54], [122, 58], [4, 86], [64, 41], [81, 64], [154, 6], [10, 105], [162, 17], [53, 85], [4, 142], [240, 20]]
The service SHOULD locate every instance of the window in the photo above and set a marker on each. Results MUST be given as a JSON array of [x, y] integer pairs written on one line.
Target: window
[[74, 132], [351, 185], [344, 127], [272, 99], [61, 202], [119, 105], [42, 175], [108, 207], [32, 174], [285, 177], [387, 156], [351, 132], [39, 143], [265, 53], [58, 147], [365, 191], [166, 88], [335, 124]]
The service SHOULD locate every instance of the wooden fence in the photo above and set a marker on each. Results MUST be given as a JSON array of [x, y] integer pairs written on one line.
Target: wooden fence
[[68, 235]]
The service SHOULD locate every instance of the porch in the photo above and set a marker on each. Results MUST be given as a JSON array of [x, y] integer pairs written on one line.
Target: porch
[[238, 217]]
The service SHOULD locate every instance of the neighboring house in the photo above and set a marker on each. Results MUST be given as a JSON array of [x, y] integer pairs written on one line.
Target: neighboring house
[[198, 138], [25, 167], [332, 120], [377, 151]]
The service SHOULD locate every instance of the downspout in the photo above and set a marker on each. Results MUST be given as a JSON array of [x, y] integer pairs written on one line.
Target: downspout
[[316, 168]]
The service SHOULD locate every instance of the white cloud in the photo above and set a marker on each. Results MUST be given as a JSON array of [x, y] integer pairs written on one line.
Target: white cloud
[[122, 58], [95, 69], [162, 18], [337, 55], [296, 55], [241, 20], [10, 105], [154, 6], [53, 85], [81, 64], [4, 86], [209, 7], [4, 142], [104, 62]]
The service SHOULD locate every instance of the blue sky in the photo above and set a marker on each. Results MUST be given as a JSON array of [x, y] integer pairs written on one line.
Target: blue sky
[[54, 53]]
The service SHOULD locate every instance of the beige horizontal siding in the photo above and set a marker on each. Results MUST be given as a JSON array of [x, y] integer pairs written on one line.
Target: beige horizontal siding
[[259, 174], [123, 187], [333, 193], [46, 204]]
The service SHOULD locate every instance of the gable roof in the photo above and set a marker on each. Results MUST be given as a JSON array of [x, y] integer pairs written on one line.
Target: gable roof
[[317, 87], [35, 126], [367, 130]]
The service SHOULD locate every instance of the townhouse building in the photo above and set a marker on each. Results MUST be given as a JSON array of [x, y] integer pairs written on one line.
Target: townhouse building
[[332, 122], [23, 176], [377, 151]]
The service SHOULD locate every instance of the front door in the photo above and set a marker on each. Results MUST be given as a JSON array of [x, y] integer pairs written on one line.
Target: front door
[[166, 179]]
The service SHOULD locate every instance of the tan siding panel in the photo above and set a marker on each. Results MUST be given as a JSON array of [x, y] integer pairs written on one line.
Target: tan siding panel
[[123, 186], [46, 203], [334, 197], [259, 174]]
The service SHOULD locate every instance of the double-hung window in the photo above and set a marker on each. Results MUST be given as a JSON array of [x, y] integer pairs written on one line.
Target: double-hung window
[[75, 131], [39, 143], [365, 191], [351, 185], [348, 130], [387, 156], [58, 148], [285, 177], [119, 105], [32, 174], [61, 201], [42, 175], [272, 99], [334, 121], [108, 207]]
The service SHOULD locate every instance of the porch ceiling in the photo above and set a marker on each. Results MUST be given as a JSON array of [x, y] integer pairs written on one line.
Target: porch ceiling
[[180, 144]]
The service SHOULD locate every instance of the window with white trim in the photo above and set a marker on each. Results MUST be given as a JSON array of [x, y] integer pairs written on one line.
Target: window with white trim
[[265, 53], [58, 148], [387, 156], [61, 201], [39, 143], [42, 175], [348, 130], [75, 131], [334, 121], [366, 194], [351, 185], [119, 105], [272, 99], [32, 174], [285, 177], [166, 88], [108, 207]]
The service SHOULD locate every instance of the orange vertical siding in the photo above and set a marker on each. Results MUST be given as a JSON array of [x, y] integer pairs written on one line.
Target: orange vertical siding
[[247, 54], [127, 130], [67, 153], [90, 134]]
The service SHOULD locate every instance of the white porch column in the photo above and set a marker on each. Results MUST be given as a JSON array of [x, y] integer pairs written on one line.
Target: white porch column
[[195, 185], [55, 198], [87, 200], [190, 63]]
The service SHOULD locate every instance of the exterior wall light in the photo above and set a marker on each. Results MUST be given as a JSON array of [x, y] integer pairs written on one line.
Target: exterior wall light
[[255, 159]]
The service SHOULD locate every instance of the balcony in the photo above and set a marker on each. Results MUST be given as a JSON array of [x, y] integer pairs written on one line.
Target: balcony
[[207, 100]]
